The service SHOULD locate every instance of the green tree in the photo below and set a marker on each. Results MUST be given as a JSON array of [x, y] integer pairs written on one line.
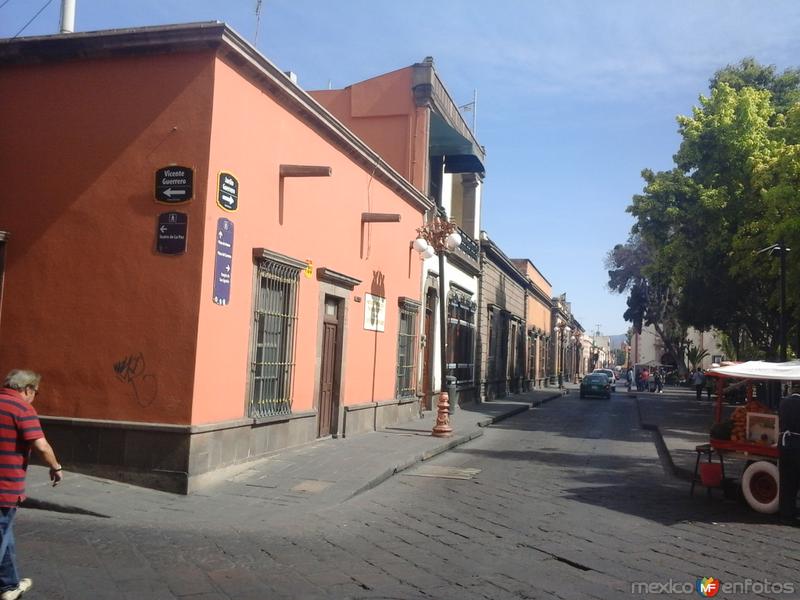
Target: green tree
[[632, 268], [784, 87], [734, 190]]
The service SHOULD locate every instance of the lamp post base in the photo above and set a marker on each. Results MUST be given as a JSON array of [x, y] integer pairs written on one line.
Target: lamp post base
[[442, 427]]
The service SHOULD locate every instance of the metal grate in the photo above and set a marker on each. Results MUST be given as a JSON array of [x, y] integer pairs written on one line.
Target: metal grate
[[274, 332], [406, 352], [460, 338]]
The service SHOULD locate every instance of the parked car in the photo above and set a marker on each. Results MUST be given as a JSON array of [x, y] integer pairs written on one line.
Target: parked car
[[612, 379], [596, 384]]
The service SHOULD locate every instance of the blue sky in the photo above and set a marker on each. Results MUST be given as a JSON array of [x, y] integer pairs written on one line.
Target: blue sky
[[575, 98]]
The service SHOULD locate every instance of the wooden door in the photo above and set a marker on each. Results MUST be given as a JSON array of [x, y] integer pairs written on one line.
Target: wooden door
[[427, 360], [330, 370]]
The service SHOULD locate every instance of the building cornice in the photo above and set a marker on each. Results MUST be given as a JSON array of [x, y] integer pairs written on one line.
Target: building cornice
[[429, 91], [498, 257], [216, 37]]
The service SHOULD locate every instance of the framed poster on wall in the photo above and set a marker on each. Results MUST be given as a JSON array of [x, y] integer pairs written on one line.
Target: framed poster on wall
[[374, 312]]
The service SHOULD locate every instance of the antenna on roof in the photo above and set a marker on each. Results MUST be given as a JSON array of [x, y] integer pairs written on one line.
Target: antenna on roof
[[258, 21], [473, 108]]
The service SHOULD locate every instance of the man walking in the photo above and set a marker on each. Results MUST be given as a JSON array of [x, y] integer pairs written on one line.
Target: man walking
[[699, 381], [19, 432]]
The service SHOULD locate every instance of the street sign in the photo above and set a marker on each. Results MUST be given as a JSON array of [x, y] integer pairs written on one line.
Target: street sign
[[174, 184], [223, 261], [171, 233], [227, 191]]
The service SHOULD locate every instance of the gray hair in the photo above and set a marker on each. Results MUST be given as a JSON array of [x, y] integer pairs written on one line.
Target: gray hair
[[20, 379]]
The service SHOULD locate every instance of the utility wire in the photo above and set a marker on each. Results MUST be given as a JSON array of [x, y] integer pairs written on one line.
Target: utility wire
[[33, 18], [4, 3]]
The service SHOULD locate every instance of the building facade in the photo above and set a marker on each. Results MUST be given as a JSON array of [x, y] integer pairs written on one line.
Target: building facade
[[538, 321], [502, 332], [221, 269], [409, 117], [647, 348], [567, 342]]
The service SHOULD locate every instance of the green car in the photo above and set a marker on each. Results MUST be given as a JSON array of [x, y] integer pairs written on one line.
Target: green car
[[596, 384]]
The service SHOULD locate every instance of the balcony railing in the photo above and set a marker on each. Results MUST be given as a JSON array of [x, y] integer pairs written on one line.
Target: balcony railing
[[468, 245]]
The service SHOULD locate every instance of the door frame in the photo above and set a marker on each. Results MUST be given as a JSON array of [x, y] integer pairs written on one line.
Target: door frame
[[337, 366], [339, 286]]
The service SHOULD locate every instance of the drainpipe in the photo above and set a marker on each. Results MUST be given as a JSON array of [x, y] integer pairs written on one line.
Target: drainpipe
[[67, 16]]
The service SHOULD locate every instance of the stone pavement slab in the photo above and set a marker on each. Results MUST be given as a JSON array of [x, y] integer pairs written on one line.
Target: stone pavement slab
[[316, 475]]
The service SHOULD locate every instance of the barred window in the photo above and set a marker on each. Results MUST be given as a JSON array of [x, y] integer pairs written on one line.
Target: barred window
[[274, 332], [460, 338], [406, 347]]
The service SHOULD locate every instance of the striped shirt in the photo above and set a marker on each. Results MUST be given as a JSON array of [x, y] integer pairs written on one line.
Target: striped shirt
[[19, 426]]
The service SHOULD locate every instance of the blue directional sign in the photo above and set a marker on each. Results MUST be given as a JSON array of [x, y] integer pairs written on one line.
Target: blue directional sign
[[223, 262]]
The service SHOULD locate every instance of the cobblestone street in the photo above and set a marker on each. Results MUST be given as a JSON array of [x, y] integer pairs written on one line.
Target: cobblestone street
[[568, 500]]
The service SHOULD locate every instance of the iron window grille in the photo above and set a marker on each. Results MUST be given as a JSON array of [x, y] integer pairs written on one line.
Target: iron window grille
[[274, 333], [460, 338], [406, 348]]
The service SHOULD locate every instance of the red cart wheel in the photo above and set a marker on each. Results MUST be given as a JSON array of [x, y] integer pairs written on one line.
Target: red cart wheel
[[760, 486]]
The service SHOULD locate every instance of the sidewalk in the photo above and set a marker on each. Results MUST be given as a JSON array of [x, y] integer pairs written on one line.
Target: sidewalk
[[682, 423], [314, 476]]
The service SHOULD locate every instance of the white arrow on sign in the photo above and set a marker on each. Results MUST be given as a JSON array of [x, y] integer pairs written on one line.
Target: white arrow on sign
[[169, 192], [163, 229]]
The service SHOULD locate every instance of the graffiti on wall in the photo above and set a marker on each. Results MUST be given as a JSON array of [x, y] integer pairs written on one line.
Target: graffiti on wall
[[131, 370]]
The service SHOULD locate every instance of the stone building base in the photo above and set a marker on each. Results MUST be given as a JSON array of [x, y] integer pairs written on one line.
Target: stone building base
[[183, 459]]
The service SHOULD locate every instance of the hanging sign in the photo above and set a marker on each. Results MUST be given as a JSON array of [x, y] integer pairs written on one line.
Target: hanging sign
[[171, 233], [174, 184], [223, 261], [227, 191]]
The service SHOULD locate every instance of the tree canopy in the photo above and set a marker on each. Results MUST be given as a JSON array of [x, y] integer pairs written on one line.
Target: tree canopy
[[692, 258]]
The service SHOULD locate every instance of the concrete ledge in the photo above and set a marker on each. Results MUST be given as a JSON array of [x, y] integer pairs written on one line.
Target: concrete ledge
[[372, 416], [177, 459]]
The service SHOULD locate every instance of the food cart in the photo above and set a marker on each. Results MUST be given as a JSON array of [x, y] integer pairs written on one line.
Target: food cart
[[754, 429]]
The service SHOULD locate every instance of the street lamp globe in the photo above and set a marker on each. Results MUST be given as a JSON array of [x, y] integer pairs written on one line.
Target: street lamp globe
[[429, 252], [453, 240], [421, 245]]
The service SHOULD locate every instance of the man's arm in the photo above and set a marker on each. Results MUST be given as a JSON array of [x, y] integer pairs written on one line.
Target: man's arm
[[45, 451]]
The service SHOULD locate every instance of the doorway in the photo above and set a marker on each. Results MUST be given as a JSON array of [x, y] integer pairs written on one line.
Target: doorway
[[330, 368]]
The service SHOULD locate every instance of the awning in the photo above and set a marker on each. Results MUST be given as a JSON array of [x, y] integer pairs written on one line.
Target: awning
[[759, 369], [461, 155]]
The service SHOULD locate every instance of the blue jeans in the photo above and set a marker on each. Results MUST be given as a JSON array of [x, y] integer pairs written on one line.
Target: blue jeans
[[9, 578]]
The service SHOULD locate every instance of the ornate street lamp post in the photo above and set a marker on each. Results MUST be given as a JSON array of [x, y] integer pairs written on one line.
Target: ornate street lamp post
[[438, 236], [577, 337]]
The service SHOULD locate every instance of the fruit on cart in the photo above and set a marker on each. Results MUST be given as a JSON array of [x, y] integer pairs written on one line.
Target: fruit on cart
[[739, 419]]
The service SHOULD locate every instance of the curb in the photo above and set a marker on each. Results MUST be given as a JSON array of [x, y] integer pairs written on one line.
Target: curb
[[525, 407], [669, 466], [452, 443], [416, 459]]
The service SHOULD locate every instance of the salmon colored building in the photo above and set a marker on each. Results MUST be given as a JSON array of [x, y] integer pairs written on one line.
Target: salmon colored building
[[410, 118], [204, 264], [538, 319]]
